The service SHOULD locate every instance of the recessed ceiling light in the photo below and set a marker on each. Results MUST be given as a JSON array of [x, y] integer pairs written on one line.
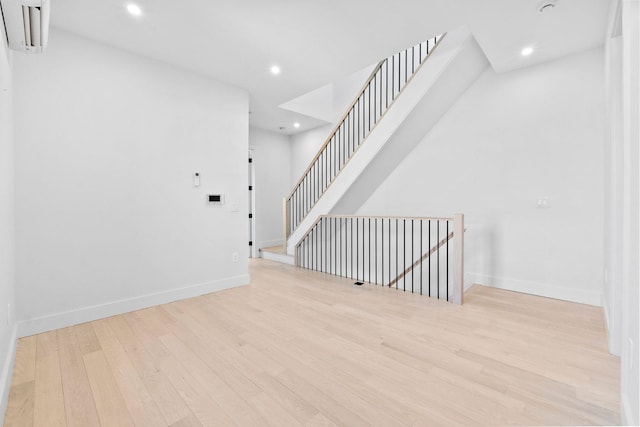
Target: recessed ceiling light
[[296, 125], [134, 9], [527, 51], [275, 70]]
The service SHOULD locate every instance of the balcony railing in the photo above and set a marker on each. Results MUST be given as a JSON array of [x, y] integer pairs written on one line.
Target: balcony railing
[[413, 254]]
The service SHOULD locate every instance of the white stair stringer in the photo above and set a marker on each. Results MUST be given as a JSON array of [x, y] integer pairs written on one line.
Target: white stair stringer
[[453, 66]]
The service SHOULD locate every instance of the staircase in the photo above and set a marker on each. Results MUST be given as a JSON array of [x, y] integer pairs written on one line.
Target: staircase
[[278, 254], [401, 102]]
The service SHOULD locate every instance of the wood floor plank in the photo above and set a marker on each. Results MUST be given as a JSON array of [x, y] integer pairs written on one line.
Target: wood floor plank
[[20, 407], [48, 405], [146, 363], [142, 408], [79, 405], [24, 370], [110, 404], [298, 347]]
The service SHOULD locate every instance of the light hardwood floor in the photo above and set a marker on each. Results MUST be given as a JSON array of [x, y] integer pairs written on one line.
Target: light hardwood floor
[[301, 348]]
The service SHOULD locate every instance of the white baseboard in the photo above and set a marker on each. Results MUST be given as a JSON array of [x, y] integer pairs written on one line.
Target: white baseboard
[[627, 414], [536, 288], [7, 371], [87, 314]]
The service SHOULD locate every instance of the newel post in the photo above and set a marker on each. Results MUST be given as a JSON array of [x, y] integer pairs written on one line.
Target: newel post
[[458, 259], [285, 218]]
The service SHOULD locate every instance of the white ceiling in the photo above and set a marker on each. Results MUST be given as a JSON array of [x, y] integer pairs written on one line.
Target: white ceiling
[[316, 42]]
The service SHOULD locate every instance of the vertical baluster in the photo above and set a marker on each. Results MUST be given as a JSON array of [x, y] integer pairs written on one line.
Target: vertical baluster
[[335, 247], [374, 98], [351, 247], [357, 250], [325, 245], [349, 132], [411, 260], [396, 252], [386, 82], [321, 245], [399, 74], [393, 77], [404, 254], [389, 251], [356, 128], [380, 95], [369, 234], [310, 250], [306, 252], [340, 243], [421, 253], [324, 170], [447, 252], [369, 112], [429, 240], [413, 59], [363, 252], [375, 233], [438, 256]]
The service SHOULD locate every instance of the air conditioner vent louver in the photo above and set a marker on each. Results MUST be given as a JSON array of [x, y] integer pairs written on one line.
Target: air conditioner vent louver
[[27, 24]]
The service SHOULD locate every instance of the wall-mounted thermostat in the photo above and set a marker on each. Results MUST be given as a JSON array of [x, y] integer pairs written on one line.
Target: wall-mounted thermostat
[[215, 199]]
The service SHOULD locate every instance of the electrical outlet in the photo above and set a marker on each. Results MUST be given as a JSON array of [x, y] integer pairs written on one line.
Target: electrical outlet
[[234, 257]]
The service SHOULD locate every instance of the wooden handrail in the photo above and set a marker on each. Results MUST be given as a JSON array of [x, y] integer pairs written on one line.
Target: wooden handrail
[[348, 111], [424, 256], [304, 206], [337, 127]]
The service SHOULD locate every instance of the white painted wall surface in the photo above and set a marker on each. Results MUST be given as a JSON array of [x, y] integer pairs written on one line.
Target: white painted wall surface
[[108, 219], [613, 175], [510, 139], [304, 147], [271, 159], [7, 243], [630, 356]]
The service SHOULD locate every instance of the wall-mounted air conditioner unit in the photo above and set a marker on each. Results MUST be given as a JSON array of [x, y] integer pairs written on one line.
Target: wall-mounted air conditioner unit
[[26, 23]]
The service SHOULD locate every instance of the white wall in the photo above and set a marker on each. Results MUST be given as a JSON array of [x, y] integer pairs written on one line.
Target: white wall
[[107, 218], [7, 274], [630, 356], [622, 186], [510, 139], [330, 102], [272, 160], [304, 147], [613, 175]]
